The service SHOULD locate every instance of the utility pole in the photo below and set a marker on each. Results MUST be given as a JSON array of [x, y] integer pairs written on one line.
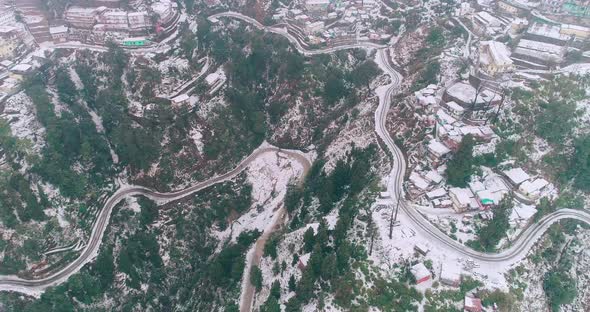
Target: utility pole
[[391, 224], [393, 217]]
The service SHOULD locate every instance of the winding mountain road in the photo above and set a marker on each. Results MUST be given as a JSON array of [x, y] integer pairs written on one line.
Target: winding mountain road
[[514, 253], [37, 286], [292, 39], [519, 247]]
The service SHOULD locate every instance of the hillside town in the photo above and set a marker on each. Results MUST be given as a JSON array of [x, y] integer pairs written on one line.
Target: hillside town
[[295, 155]]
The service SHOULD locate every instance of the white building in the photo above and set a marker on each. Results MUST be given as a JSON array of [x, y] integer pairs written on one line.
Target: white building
[[314, 27], [114, 20], [139, 21], [541, 51], [485, 23], [532, 190], [516, 176], [463, 199], [7, 16], [317, 7], [180, 100], [59, 33], [437, 193], [494, 58], [464, 9], [455, 109], [165, 10], [436, 151], [420, 272], [82, 17], [450, 275]]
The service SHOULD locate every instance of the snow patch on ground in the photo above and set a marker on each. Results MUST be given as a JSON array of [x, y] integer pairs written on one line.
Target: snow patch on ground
[[20, 113], [197, 137], [132, 204], [269, 175], [388, 252]]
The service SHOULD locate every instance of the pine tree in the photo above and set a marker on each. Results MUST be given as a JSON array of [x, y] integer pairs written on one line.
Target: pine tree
[[322, 238], [308, 240], [329, 267], [306, 286], [275, 289], [256, 277], [460, 167], [292, 283]]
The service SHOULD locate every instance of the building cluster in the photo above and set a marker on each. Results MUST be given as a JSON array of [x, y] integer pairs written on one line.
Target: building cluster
[[449, 275], [578, 8], [12, 42], [331, 21], [14, 72], [540, 43], [450, 116], [15, 38], [98, 24]]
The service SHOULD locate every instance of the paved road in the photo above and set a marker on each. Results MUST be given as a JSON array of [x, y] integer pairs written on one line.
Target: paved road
[[517, 251], [470, 35], [37, 286], [188, 86], [519, 247], [292, 39]]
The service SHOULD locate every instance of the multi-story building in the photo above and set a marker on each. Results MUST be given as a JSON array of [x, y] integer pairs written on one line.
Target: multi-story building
[[114, 20], [8, 48], [512, 7], [59, 33], [552, 6], [139, 21], [494, 58], [575, 31], [9, 32], [579, 8], [317, 7], [165, 10], [82, 17], [7, 16]]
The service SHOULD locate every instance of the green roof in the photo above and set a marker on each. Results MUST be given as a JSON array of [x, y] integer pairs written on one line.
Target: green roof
[[487, 201]]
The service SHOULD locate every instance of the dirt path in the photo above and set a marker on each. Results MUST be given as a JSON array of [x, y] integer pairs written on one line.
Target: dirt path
[[247, 297]]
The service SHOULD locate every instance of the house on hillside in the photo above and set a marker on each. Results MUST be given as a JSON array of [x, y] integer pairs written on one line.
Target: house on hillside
[[463, 199], [59, 33], [472, 304], [516, 176], [450, 275], [420, 272], [494, 58]]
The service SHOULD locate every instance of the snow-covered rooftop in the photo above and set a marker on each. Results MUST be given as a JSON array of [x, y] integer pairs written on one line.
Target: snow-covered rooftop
[[465, 93], [516, 175], [547, 30], [473, 304], [444, 117], [58, 30], [450, 274], [418, 181], [531, 188], [317, 2], [22, 67], [438, 148], [420, 271], [433, 176], [462, 195], [498, 53], [439, 192], [179, 99], [452, 105]]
